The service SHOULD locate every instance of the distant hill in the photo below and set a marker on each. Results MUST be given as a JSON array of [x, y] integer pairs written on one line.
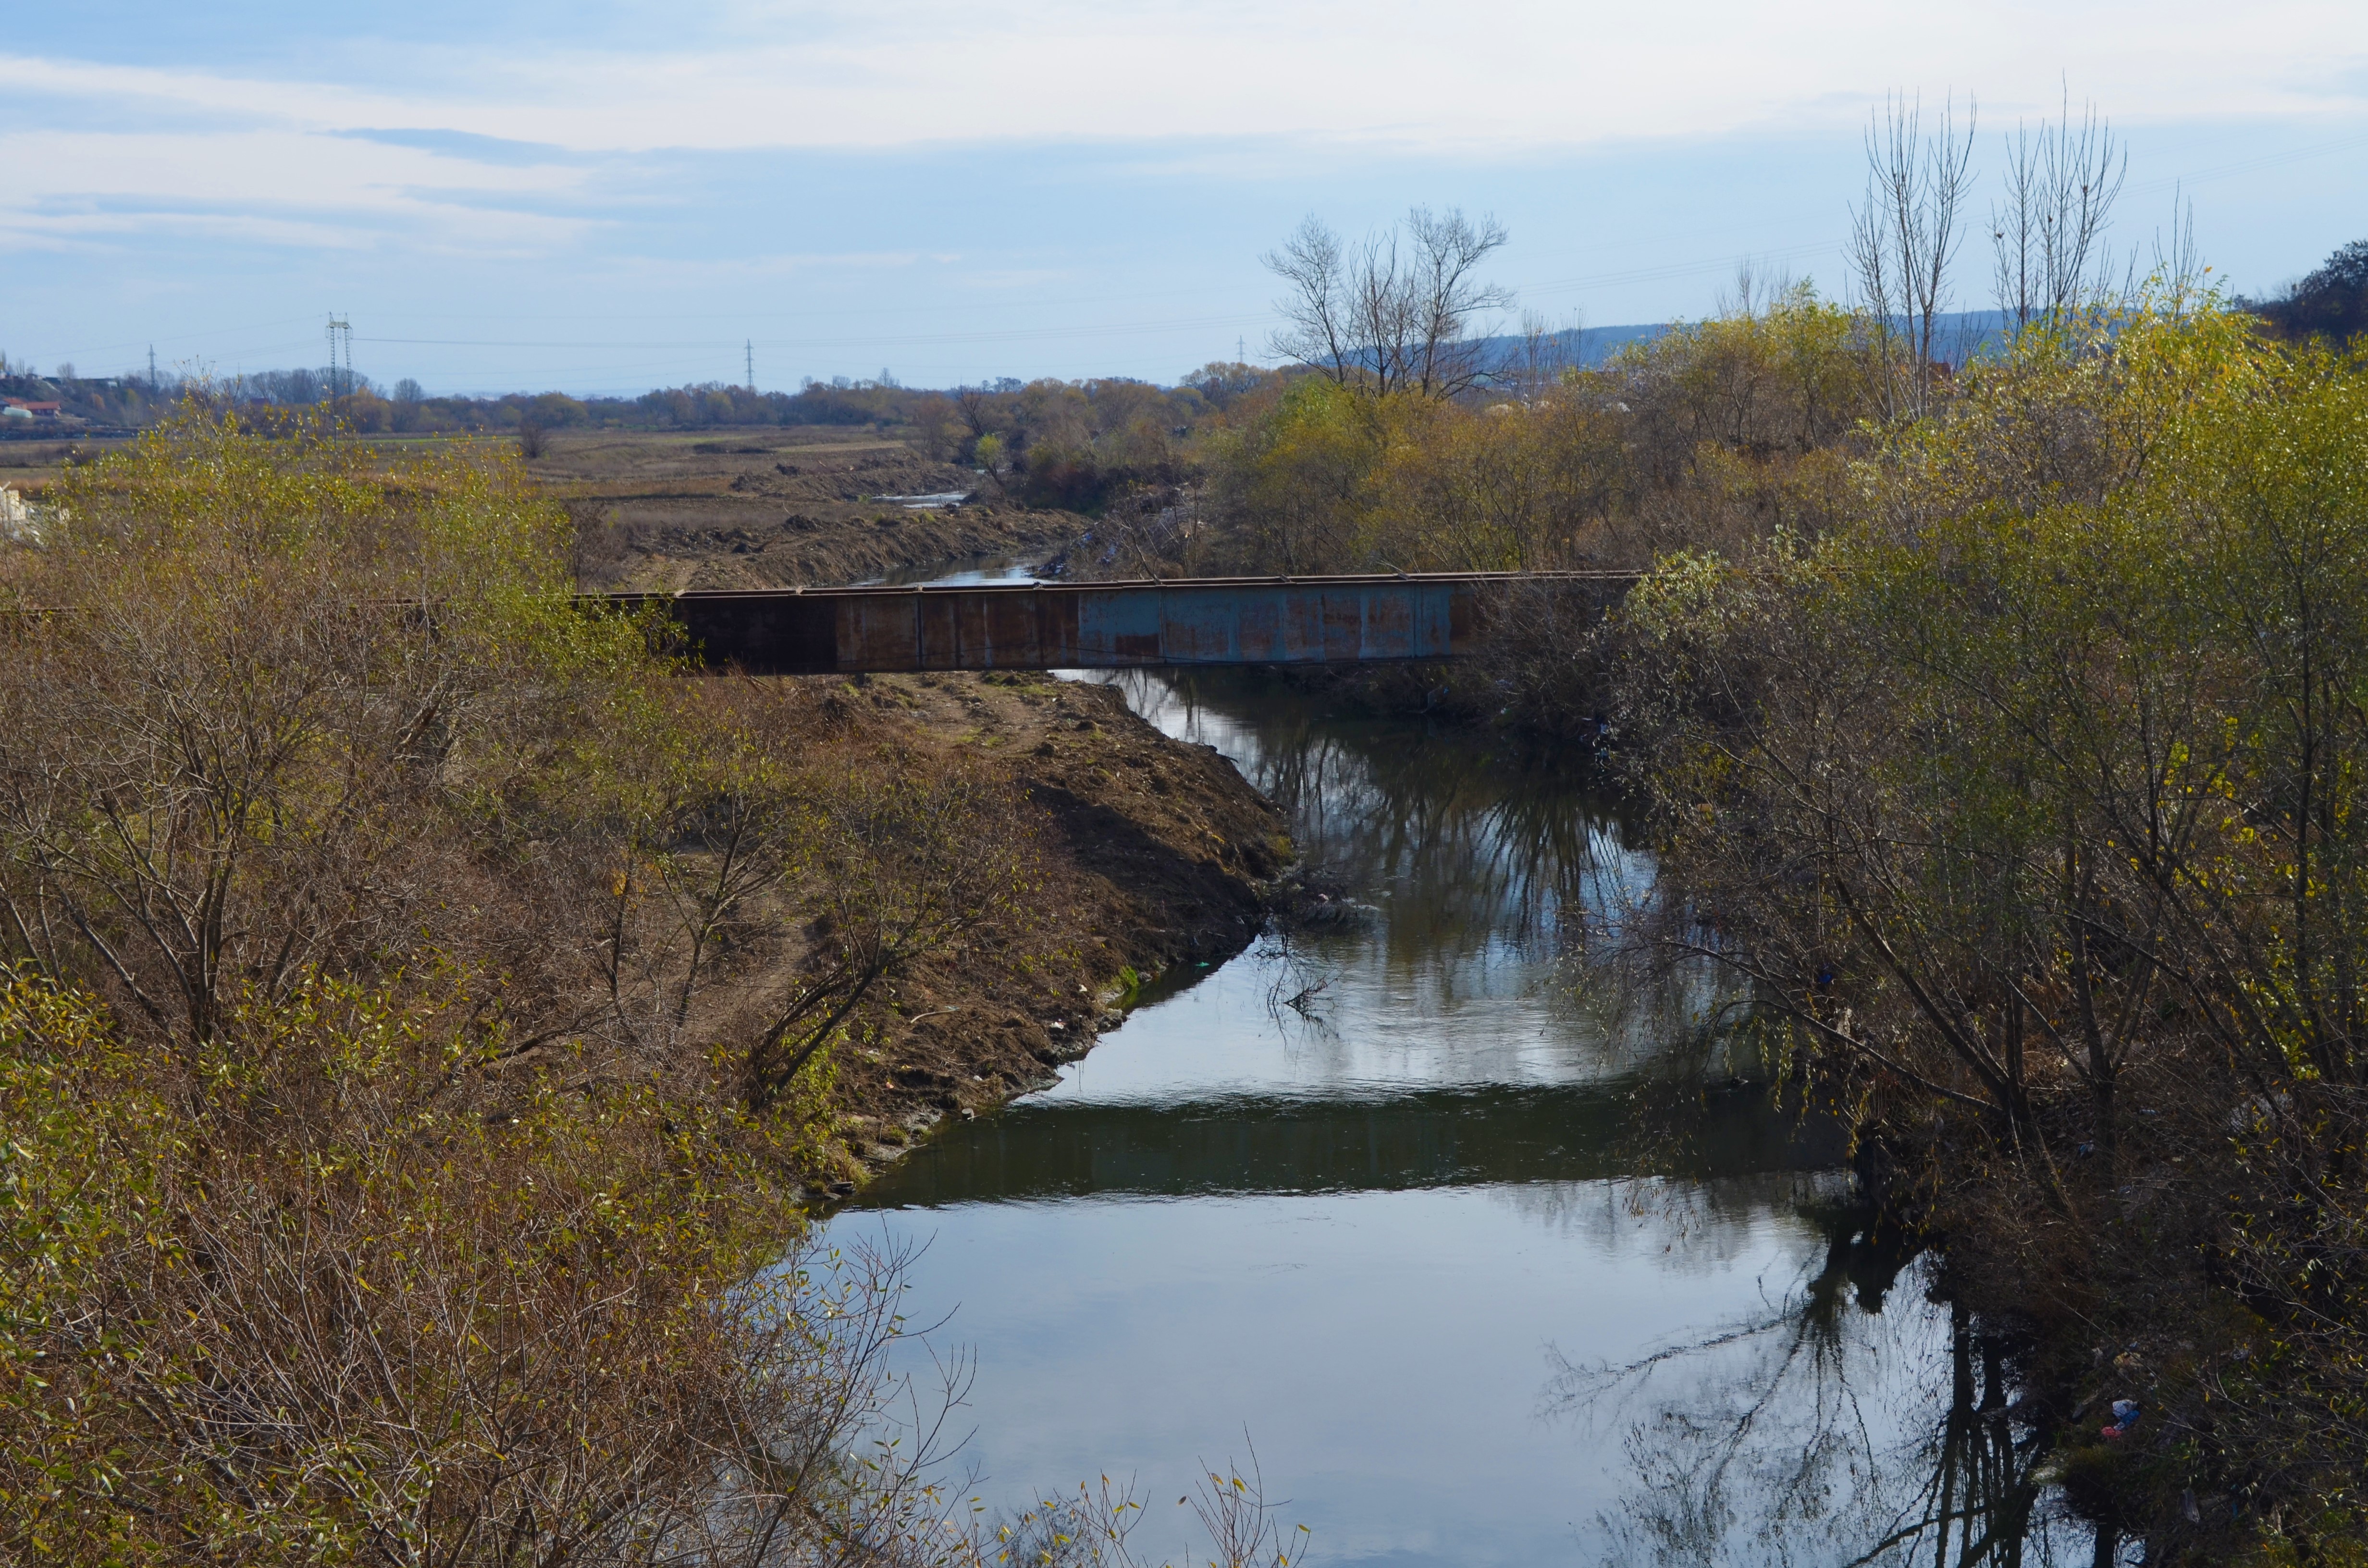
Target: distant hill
[[1960, 335]]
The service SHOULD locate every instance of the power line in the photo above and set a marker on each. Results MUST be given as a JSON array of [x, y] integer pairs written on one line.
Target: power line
[[2246, 165], [1011, 335]]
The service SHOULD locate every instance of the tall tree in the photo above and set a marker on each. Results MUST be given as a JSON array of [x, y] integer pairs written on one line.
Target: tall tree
[[1396, 313], [1906, 231], [2048, 232]]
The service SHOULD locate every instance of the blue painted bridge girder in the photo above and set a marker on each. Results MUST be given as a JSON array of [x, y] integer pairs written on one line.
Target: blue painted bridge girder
[[1039, 626]]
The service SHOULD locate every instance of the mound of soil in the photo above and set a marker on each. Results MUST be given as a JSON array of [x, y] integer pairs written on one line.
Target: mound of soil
[[1160, 855]]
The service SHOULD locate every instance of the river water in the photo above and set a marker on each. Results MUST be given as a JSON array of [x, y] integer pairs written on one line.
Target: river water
[[1376, 1203]]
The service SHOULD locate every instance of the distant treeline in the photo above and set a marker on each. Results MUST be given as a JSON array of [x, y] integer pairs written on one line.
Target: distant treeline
[[1072, 445], [404, 406], [2331, 302]]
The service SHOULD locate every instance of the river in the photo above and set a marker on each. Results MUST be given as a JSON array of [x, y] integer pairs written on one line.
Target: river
[[1376, 1201]]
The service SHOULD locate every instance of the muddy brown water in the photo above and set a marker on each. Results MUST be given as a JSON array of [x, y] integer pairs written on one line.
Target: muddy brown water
[[1377, 1201]]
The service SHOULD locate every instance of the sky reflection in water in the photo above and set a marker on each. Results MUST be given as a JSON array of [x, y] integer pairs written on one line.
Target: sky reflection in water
[[1389, 1235]]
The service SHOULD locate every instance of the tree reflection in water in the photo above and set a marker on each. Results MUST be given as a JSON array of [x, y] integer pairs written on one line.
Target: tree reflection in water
[[1492, 866], [1857, 1419], [1831, 1431]]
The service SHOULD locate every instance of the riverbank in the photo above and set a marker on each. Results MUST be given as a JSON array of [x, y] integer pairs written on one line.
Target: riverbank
[[1157, 856]]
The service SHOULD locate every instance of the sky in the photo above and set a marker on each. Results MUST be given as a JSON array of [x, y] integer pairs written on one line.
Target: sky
[[603, 197]]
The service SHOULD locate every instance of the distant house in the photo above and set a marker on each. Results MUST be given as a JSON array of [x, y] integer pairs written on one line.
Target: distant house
[[25, 408], [17, 525]]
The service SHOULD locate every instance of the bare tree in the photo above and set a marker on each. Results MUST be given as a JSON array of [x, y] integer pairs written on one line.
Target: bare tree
[[2048, 234], [977, 413], [1903, 237], [2179, 269], [1397, 314], [1542, 354], [1755, 291]]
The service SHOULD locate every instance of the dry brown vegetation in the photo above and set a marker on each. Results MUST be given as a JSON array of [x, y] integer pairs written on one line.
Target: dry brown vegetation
[[662, 510], [426, 1012]]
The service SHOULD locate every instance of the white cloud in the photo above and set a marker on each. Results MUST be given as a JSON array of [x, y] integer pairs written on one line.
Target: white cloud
[[1514, 74], [356, 176], [1254, 83], [275, 185]]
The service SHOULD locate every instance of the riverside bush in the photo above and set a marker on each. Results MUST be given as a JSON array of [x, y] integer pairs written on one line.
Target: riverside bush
[[419, 1022], [2026, 796]]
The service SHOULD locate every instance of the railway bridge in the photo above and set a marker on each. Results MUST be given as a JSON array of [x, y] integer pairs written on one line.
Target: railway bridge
[[1114, 625]]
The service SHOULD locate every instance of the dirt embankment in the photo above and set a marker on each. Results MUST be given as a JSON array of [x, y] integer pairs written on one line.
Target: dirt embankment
[[666, 511], [1156, 853]]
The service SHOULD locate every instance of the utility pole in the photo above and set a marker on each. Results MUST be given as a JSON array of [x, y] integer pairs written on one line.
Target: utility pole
[[751, 349], [152, 368], [341, 356]]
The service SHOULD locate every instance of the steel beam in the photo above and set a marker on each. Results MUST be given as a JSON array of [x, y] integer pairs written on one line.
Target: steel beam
[[1043, 626]]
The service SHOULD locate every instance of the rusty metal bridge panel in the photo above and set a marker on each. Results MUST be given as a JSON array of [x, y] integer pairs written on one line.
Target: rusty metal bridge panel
[[1040, 626]]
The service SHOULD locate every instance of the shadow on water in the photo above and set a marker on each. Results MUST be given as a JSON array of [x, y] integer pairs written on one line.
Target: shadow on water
[[1380, 1192], [1445, 1137]]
